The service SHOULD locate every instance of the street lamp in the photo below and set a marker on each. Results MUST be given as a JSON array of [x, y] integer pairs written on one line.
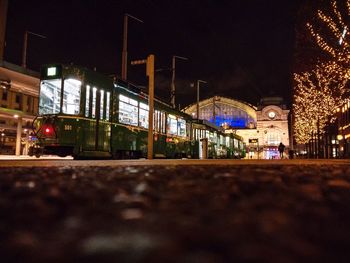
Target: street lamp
[[172, 94], [198, 82], [125, 44], [25, 45]]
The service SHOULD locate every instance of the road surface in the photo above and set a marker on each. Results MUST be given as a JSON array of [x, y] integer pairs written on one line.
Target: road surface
[[175, 211]]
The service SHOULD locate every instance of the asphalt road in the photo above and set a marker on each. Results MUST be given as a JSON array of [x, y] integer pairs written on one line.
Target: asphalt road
[[175, 211]]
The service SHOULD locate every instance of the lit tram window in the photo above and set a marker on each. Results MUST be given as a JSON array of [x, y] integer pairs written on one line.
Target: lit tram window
[[87, 101], [102, 99], [93, 110], [172, 125], [108, 101], [143, 115], [51, 71]]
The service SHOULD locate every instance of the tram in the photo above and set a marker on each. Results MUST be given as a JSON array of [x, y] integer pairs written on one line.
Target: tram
[[89, 115]]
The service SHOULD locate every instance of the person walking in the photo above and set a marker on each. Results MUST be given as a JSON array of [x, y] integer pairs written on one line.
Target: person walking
[[281, 149]]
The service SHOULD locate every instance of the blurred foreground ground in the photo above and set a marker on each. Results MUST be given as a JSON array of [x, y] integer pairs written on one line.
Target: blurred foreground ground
[[174, 211]]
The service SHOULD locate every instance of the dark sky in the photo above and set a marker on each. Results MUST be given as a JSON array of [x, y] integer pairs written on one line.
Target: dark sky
[[242, 48]]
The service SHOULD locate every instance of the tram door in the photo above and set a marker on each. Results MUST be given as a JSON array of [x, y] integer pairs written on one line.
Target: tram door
[[96, 132], [91, 124], [203, 148]]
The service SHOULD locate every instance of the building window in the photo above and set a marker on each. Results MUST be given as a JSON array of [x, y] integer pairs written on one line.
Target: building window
[[4, 94], [18, 98], [273, 138]]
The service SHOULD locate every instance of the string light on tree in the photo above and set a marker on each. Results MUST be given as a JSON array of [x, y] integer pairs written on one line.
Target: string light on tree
[[319, 92]]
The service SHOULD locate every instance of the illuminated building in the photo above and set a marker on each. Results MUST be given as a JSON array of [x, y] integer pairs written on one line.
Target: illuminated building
[[225, 112], [272, 127], [343, 137], [262, 127], [19, 90]]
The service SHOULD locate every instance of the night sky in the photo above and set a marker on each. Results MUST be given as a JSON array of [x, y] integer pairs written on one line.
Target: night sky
[[242, 48]]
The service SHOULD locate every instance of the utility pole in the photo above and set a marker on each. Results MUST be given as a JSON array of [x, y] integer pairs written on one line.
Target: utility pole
[[3, 18], [125, 45], [172, 93], [25, 46], [150, 74], [198, 81]]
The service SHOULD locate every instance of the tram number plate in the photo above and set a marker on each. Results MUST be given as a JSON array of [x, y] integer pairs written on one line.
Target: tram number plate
[[67, 127]]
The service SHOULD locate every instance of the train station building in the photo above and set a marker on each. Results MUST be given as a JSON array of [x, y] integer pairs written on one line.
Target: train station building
[[262, 127], [19, 92]]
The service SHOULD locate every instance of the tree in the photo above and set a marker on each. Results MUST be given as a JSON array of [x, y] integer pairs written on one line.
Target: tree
[[320, 91]]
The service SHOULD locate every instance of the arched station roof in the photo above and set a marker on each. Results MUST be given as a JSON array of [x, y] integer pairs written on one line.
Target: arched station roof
[[239, 114]]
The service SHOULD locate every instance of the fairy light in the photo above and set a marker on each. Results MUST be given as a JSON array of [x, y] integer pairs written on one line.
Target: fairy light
[[319, 93]]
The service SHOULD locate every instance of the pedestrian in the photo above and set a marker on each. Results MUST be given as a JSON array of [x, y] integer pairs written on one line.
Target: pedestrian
[[281, 149]]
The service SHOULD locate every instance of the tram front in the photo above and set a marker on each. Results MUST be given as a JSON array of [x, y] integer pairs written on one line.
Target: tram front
[[56, 126]]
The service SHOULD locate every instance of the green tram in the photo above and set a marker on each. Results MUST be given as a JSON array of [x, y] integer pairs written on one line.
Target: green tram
[[88, 115]]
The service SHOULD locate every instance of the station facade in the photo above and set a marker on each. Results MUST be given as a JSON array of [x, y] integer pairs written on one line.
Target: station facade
[[19, 95], [262, 127]]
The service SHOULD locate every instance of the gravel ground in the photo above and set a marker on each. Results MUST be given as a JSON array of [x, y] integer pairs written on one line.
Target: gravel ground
[[252, 213]]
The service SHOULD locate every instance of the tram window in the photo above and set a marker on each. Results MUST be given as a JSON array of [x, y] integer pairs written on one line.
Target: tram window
[[128, 111], [181, 127], [71, 96], [156, 121], [102, 99], [108, 101], [143, 115], [93, 104], [87, 101], [50, 96], [163, 122], [172, 125], [127, 100]]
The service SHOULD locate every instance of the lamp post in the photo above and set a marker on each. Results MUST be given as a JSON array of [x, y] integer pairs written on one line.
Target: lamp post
[[125, 45], [198, 82], [172, 94], [25, 46]]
